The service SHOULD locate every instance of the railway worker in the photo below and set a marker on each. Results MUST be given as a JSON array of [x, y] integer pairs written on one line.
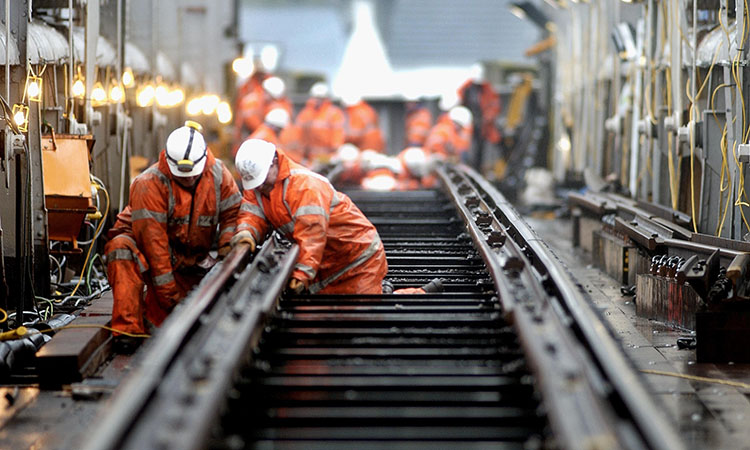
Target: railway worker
[[275, 95], [321, 126], [348, 171], [450, 138], [278, 130], [362, 123], [254, 106], [482, 100], [179, 207], [415, 165], [417, 123], [340, 250]]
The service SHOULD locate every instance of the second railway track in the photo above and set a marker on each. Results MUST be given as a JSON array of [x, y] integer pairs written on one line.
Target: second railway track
[[508, 355]]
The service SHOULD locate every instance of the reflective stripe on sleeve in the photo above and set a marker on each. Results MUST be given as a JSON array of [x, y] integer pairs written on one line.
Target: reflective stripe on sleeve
[[230, 202], [367, 254], [307, 270], [140, 214], [311, 210], [165, 278], [205, 221], [253, 209]]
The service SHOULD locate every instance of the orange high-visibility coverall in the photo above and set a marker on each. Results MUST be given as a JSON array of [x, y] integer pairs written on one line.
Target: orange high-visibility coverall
[[448, 139], [363, 127], [340, 250], [287, 139], [321, 126], [489, 104], [417, 124], [160, 238]]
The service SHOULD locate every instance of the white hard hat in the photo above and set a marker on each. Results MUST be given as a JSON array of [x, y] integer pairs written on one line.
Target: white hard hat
[[448, 100], [274, 86], [277, 117], [461, 115], [254, 158], [350, 98], [186, 150], [319, 90], [415, 160], [476, 72], [347, 153]]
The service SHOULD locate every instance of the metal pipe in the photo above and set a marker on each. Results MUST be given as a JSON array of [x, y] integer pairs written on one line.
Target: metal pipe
[[71, 60], [7, 51]]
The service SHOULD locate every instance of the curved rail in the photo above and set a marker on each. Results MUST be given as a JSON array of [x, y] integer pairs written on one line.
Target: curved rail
[[599, 398]]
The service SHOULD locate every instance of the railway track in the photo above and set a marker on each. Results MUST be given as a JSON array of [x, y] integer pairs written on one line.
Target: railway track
[[508, 355]]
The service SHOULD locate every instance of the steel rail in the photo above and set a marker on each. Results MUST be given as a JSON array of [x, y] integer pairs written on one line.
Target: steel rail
[[173, 398], [600, 397]]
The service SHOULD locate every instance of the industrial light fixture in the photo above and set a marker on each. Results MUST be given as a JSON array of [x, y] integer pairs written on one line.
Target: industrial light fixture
[[116, 92], [161, 93], [209, 103], [21, 116], [34, 88], [98, 95], [128, 80], [145, 95], [224, 113], [79, 88], [176, 96], [194, 106]]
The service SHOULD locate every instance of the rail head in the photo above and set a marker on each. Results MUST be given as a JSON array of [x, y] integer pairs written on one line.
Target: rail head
[[600, 398], [173, 397]]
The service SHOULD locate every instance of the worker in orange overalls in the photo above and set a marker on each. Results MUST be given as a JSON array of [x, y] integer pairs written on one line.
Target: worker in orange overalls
[[483, 101], [417, 123], [278, 130], [274, 89], [179, 207], [321, 126], [450, 138], [362, 124], [348, 170], [414, 167], [340, 250]]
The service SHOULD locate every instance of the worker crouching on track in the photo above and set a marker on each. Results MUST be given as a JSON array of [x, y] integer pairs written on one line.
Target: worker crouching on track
[[340, 250], [163, 237]]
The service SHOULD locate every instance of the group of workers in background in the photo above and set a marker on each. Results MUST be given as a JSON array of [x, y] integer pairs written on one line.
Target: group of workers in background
[[189, 203]]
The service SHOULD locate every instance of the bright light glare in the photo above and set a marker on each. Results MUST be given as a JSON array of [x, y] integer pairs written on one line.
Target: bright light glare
[[224, 113], [19, 118], [33, 90], [127, 77], [145, 96], [176, 97], [98, 94], [243, 67], [194, 106], [209, 104], [116, 94], [564, 144], [79, 89], [162, 95]]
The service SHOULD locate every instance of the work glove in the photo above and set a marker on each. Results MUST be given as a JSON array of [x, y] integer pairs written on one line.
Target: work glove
[[243, 237], [296, 286], [224, 250]]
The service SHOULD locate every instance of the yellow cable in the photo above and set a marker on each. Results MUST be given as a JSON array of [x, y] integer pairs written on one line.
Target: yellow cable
[[125, 333], [96, 232], [5, 315], [738, 384]]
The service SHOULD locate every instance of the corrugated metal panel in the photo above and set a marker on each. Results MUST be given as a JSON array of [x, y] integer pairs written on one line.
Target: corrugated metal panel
[[105, 52], [4, 48], [46, 45], [189, 77], [447, 32], [164, 67], [135, 59]]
